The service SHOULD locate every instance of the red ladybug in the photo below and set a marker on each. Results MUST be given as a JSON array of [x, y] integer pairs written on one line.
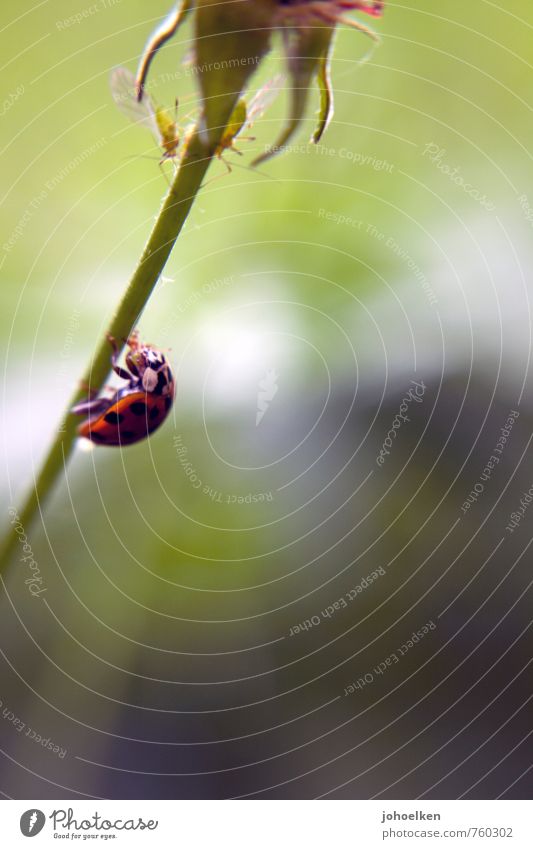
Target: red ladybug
[[136, 410]]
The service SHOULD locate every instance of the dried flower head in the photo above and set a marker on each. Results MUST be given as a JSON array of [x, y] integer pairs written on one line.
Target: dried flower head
[[233, 36]]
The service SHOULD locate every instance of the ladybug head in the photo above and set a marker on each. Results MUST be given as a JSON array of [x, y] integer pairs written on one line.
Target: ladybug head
[[146, 362]]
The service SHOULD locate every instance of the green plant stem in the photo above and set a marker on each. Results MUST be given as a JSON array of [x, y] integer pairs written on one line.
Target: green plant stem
[[170, 221]]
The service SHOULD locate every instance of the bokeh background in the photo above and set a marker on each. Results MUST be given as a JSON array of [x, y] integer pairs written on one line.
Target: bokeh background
[[160, 660]]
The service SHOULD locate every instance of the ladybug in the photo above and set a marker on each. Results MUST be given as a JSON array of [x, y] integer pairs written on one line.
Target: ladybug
[[136, 410]]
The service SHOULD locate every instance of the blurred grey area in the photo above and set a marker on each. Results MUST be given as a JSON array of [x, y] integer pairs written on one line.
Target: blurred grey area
[[230, 678]]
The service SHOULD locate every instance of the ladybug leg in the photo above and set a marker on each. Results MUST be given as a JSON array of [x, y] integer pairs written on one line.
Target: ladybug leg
[[90, 390], [133, 340], [125, 375], [91, 408], [133, 343], [131, 365]]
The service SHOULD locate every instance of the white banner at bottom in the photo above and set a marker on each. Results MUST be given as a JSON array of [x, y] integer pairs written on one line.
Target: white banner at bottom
[[266, 824]]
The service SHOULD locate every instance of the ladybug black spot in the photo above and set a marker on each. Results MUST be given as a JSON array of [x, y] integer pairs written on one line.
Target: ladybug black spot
[[154, 413], [127, 434], [138, 408], [98, 437], [161, 383], [168, 403], [113, 418]]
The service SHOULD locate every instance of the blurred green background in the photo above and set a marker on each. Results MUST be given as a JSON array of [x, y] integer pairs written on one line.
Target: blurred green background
[[400, 249]]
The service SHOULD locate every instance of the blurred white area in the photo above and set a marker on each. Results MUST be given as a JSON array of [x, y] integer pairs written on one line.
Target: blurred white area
[[480, 321]]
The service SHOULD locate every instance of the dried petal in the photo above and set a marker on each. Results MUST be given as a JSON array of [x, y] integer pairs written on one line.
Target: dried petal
[[305, 50], [325, 112], [164, 31], [308, 27]]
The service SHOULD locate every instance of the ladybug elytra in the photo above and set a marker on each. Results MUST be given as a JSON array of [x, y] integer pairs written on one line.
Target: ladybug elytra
[[136, 410]]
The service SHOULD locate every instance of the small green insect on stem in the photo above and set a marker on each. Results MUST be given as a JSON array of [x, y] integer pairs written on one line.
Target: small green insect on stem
[[172, 216]]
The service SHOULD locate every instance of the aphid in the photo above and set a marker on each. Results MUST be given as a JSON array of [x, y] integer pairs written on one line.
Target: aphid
[[158, 119], [136, 410], [244, 115]]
